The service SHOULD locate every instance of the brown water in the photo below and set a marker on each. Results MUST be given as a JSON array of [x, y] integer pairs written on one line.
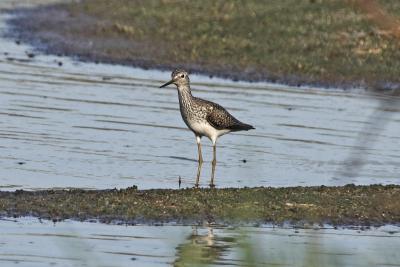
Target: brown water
[[30, 242], [65, 123]]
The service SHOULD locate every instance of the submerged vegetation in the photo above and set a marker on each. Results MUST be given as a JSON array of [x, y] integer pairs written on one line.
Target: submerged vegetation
[[347, 205], [295, 42]]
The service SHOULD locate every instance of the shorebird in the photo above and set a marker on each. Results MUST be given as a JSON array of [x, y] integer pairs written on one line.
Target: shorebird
[[203, 118]]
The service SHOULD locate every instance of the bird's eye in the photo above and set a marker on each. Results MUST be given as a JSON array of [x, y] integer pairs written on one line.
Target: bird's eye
[[183, 76]]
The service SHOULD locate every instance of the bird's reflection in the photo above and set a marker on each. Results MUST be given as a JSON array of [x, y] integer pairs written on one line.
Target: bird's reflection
[[202, 248]]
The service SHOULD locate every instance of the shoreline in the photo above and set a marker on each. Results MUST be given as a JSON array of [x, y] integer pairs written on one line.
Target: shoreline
[[349, 205], [345, 205], [95, 45]]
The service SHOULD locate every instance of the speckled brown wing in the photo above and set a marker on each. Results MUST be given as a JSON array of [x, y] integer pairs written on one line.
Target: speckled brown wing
[[221, 119]]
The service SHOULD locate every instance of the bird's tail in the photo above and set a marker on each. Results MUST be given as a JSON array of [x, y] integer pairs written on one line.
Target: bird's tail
[[241, 127]]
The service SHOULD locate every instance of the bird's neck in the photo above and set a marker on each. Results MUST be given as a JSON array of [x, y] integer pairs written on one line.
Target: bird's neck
[[185, 94]]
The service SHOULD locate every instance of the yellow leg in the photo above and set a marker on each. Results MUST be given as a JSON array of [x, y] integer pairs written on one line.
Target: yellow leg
[[214, 163], [200, 160]]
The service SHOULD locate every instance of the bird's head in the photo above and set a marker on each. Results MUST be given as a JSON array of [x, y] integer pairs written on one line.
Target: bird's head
[[178, 77]]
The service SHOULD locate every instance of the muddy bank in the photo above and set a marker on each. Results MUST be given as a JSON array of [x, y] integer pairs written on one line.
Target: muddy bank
[[316, 42], [347, 205]]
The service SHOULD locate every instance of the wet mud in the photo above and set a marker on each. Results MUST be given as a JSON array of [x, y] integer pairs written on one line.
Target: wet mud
[[347, 205], [252, 42]]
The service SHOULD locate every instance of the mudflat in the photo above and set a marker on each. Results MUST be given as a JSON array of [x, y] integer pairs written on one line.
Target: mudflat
[[343, 205], [324, 43]]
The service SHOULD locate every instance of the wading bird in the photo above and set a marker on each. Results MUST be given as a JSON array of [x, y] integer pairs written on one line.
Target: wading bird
[[204, 118]]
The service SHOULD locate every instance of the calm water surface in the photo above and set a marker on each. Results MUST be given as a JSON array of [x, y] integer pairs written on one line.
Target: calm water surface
[[65, 123], [30, 242], [101, 126]]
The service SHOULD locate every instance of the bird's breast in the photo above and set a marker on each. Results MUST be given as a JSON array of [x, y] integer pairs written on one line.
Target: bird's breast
[[191, 114]]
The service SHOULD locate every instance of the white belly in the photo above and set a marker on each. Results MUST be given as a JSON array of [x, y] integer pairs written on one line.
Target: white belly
[[205, 129]]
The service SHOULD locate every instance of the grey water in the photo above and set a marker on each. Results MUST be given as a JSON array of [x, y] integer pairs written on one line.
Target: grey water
[[31, 242], [65, 123]]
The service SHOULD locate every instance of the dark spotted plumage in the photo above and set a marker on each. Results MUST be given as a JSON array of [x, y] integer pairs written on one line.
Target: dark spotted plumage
[[203, 117], [221, 119]]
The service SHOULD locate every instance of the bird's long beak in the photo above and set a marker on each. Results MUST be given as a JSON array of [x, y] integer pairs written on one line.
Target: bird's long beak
[[168, 83]]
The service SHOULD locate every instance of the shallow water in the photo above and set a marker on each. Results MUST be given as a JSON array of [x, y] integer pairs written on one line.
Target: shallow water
[[30, 242], [65, 123]]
